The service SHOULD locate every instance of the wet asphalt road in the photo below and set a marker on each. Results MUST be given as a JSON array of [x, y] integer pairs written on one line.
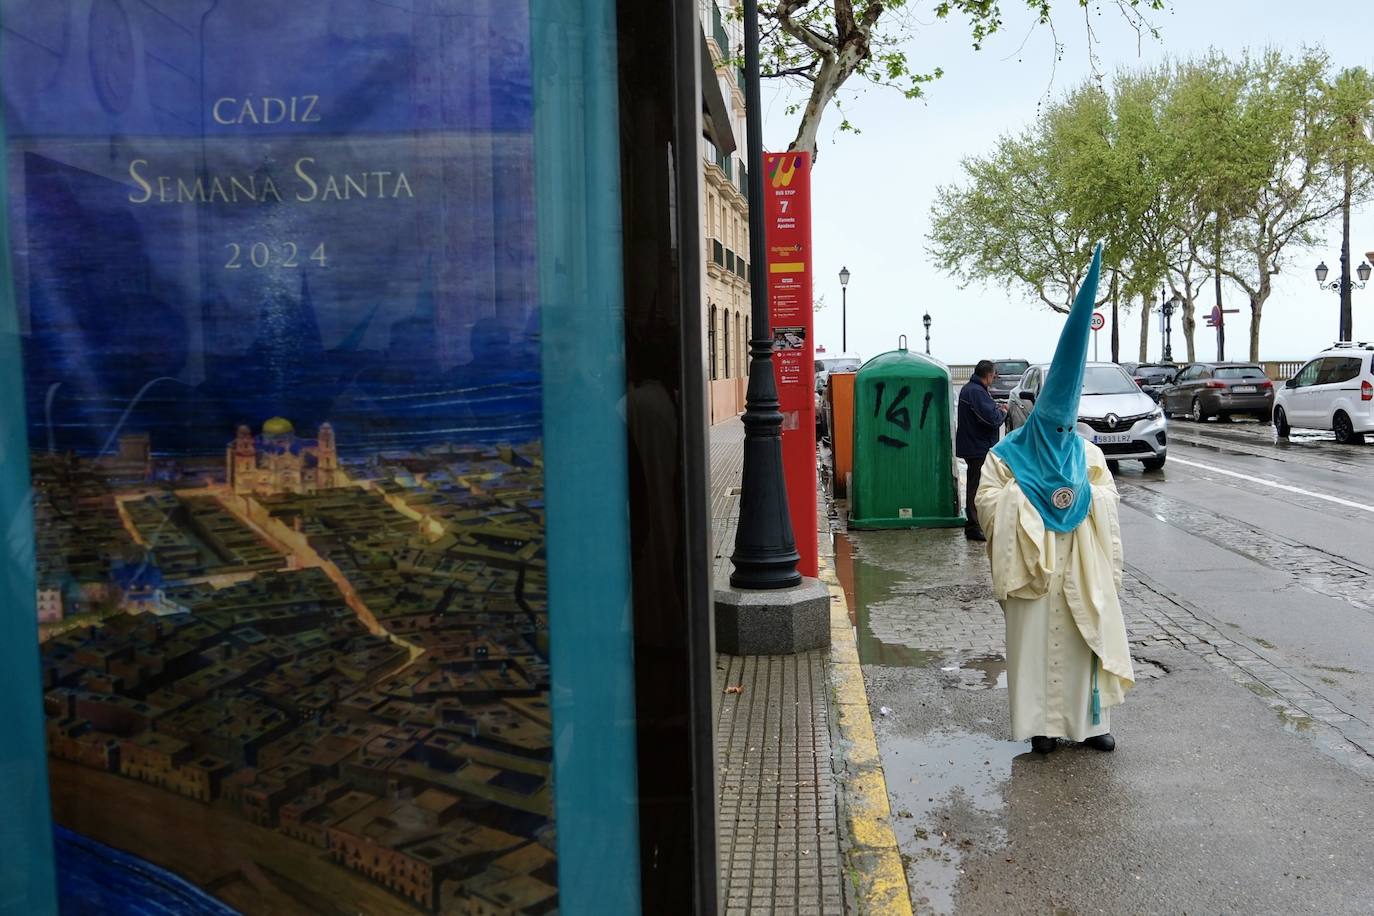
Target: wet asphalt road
[[1262, 536], [1223, 796]]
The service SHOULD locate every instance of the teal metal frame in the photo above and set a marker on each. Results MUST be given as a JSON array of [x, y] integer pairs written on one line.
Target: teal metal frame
[[28, 882], [591, 635]]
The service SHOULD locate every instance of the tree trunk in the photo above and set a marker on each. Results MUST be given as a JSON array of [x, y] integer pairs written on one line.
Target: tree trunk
[[1257, 308], [1145, 305], [822, 91], [829, 78], [1189, 326], [1116, 321]]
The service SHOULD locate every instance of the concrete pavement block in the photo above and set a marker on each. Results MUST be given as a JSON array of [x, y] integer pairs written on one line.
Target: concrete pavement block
[[781, 621]]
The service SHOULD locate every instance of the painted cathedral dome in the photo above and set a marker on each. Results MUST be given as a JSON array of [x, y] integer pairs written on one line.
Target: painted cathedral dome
[[278, 426]]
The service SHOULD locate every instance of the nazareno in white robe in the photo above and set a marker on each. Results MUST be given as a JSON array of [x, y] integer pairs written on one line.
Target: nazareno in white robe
[[1058, 592]]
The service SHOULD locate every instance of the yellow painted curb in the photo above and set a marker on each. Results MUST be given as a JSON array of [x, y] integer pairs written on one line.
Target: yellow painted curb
[[872, 858]]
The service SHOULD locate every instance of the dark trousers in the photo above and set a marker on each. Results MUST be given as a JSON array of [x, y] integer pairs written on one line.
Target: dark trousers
[[975, 474]]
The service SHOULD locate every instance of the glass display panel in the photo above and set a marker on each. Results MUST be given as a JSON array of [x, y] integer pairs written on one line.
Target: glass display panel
[[285, 282]]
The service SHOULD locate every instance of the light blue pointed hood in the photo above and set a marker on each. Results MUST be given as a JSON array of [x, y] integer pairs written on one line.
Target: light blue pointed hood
[[1045, 453]]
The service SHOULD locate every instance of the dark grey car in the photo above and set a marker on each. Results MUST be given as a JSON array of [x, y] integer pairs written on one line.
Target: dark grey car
[[1201, 391], [1009, 372], [1153, 378]]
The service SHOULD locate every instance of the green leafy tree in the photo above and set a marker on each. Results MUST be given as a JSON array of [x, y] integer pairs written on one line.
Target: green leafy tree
[[1349, 103], [1107, 151], [820, 46], [1211, 165], [1155, 206], [1190, 174], [1284, 186], [1011, 222]]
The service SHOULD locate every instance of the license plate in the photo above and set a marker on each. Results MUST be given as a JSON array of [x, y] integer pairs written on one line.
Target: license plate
[[1111, 438], [1244, 389]]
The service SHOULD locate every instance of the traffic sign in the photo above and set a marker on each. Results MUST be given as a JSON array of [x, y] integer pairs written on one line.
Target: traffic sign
[[1099, 321], [1218, 316]]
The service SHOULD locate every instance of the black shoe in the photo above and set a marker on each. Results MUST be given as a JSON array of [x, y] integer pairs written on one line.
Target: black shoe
[[975, 534], [1104, 743], [1042, 745]]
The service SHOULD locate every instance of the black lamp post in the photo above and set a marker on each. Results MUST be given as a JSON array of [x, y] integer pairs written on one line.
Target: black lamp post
[[1168, 308], [925, 320], [1343, 286], [765, 548], [844, 310]]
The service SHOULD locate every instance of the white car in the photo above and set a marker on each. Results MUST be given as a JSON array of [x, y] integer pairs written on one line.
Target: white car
[[1113, 413], [1334, 391], [845, 362]]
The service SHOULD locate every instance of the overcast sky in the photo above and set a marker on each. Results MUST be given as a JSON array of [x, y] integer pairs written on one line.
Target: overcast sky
[[873, 191]]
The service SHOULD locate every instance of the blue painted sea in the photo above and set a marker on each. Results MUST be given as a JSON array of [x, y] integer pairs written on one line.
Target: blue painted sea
[[97, 879]]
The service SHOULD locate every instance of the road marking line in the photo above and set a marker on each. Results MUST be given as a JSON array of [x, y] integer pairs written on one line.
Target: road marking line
[[1174, 459]]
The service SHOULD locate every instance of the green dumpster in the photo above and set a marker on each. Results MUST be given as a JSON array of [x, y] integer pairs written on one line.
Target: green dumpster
[[904, 472]]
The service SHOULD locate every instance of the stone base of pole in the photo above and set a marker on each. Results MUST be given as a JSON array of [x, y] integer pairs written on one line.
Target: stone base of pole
[[781, 621]]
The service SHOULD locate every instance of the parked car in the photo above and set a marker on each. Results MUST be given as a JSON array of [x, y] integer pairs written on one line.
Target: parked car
[[1201, 391], [1334, 391], [1113, 414], [845, 362], [1009, 372], [1152, 377]]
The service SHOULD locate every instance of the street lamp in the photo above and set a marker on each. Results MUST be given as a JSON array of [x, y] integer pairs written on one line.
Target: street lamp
[[1343, 286], [844, 303], [765, 554], [1168, 308], [925, 320]]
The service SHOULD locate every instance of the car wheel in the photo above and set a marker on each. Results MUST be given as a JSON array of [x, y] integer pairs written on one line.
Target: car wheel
[[1153, 464], [1281, 423], [1345, 430], [1195, 414]]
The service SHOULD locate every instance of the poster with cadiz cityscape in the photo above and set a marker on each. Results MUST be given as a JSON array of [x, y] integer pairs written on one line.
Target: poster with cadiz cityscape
[[274, 270]]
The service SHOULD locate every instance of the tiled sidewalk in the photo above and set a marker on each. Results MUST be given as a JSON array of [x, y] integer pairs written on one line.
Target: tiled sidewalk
[[779, 841]]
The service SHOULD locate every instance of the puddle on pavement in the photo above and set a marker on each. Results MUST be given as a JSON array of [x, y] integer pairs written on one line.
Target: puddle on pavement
[[974, 673], [1295, 722], [946, 788], [897, 568], [844, 570]]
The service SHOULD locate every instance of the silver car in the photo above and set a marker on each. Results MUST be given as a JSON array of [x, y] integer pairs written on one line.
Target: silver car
[[846, 362], [1113, 414]]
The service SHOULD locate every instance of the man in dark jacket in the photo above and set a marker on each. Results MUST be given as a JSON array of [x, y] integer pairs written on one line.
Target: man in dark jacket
[[980, 418]]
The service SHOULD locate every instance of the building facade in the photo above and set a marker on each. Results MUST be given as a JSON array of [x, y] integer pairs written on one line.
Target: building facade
[[278, 461], [724, 201]]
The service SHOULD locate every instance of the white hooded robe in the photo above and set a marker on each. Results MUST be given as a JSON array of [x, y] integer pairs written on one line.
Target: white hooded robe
[[1058, 592]]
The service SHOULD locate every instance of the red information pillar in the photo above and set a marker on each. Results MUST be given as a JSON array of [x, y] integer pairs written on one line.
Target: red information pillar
[[787, 222]]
